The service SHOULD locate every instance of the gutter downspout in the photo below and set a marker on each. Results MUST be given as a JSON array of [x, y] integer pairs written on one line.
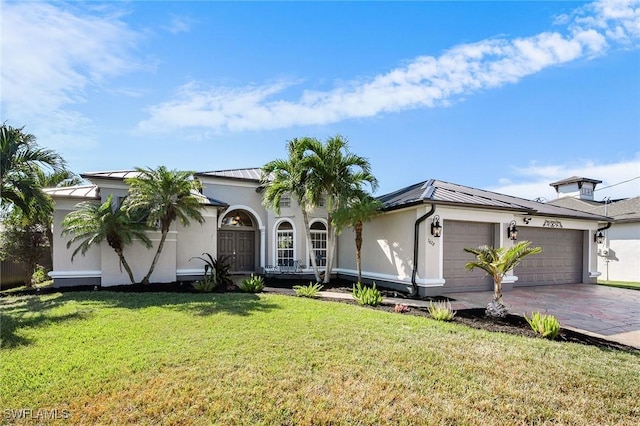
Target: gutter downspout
[[604, 227], [414, 286]]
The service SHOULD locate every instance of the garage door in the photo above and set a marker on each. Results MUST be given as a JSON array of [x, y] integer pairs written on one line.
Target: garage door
[[560, 261], [457, 236]]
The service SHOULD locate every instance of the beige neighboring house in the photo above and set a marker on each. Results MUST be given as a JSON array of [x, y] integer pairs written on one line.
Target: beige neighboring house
[[619, 252], [401, 249]]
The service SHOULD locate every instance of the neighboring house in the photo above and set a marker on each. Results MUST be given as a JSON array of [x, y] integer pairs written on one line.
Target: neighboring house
[[619, 252], [238, 226]]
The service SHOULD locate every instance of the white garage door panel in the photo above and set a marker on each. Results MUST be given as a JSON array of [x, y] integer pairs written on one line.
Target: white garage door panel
[[458, 235], [560, 261]]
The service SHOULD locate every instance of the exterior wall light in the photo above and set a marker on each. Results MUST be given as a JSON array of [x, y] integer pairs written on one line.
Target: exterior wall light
[[599, 237], [436, 229], [512, 231]]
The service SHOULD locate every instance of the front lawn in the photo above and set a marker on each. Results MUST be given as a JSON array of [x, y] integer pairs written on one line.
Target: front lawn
[[175, 358]]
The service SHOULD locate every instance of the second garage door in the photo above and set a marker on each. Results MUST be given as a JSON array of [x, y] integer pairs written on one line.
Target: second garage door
[[560, 261], [458, 235]]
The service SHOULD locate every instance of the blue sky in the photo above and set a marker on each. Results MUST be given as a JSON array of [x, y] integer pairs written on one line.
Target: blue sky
[[504, 95]]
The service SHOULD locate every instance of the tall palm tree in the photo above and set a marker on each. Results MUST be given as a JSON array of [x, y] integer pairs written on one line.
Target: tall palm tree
[[497, 262], [354, 214], [339, 175], [166, 196], [20, 158], [93, 223], [291, 176]]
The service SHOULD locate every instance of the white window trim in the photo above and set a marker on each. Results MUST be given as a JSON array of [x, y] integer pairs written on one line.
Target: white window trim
[[308, 257], [275, 239]]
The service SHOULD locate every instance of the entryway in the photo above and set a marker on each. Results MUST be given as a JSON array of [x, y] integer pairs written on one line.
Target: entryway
[[237, 241]]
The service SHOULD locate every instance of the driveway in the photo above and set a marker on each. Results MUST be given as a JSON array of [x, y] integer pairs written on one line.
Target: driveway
[[606, 312]]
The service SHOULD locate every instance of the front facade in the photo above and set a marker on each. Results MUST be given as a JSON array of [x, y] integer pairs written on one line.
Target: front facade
[[399, 251]]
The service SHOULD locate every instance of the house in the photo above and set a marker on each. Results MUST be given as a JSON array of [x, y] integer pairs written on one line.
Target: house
[[415, 244], [619, 251]]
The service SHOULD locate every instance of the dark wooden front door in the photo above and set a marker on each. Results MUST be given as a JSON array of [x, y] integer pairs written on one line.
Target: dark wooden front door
[[238, 247]]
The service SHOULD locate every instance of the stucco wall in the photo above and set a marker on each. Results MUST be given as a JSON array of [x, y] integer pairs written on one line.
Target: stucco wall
[[195, 240], [82, 266], [618, 257]]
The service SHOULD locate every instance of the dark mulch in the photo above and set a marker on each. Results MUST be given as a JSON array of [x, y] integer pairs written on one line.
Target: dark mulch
[[476, 318]]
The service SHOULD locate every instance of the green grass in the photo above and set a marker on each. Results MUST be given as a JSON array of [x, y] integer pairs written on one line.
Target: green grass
[[621, 284], [161, 358]]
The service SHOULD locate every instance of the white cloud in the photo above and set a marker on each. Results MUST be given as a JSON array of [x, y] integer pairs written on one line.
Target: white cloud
[[51, 56], [425, 82], [619, 180], [179, 24]]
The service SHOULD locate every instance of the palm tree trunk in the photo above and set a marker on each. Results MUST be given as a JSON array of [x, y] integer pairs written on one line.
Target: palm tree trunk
[[497, 290], [145, 280], [124, 263], [312, 253], [358, 229], [331, 250]]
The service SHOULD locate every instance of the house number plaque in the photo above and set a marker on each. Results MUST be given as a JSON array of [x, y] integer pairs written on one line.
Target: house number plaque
[[552, 224]]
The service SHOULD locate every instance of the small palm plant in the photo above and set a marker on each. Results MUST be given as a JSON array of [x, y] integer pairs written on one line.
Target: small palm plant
[[497, 262]]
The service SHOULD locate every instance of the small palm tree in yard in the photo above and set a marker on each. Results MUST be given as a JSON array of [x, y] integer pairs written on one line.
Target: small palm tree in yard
[[93, 223], [165, 195], [497, 262]]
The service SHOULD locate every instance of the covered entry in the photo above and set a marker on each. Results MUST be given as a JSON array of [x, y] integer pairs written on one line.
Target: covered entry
[[237, 241], [456, 236], [560, 261]]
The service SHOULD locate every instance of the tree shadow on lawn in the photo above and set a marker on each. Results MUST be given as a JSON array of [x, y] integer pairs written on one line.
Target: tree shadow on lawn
[[23, 313]]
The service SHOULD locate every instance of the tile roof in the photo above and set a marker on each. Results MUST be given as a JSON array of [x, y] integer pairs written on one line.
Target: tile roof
[[84, 191], [444, 193], [253, 174], [626, 210]]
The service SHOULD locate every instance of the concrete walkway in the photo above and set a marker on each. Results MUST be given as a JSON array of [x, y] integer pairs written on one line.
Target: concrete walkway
[[605, 312]]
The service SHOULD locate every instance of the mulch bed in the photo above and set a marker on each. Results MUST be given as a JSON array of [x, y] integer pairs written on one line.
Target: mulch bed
[[476, 318]]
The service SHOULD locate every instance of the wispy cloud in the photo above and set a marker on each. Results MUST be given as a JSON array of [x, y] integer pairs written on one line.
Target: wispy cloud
[[52, 55], [619, 180], [180, 24], [426, 82]]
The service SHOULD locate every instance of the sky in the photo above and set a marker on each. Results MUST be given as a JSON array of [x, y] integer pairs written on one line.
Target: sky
[[507, 96]]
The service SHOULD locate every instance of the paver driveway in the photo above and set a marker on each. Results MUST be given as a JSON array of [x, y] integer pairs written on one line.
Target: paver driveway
[[607, 312]]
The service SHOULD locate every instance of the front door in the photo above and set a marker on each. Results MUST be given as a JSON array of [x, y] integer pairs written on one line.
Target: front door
[[238, 248]]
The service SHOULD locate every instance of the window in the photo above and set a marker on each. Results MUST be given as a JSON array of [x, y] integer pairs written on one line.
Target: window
[[237, 218], [284, 245], [319, 243], [285, 200]]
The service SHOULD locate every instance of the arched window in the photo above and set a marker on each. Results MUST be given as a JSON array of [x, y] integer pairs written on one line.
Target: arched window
[[237, 218], [319, 242], [284, 245]]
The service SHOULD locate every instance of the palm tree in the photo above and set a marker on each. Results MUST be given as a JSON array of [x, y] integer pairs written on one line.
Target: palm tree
[[166, 196], [354, 214], [93, 223], [291, 176], [20, 158], [497, 262], [339, 175]]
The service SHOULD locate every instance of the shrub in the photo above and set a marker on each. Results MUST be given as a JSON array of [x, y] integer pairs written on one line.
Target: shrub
[[217, 272], [310, 290], [367, 295], [441, 311], [204, 286], [545, 325], [39, 275], [401, 309], [253, 284]]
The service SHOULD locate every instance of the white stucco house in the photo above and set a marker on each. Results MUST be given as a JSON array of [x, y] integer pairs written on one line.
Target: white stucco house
[[619, 250], [402, 248]]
